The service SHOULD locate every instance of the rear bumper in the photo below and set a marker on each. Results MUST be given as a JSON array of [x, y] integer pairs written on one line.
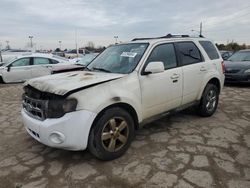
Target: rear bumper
[[237, 78], [69, 132]]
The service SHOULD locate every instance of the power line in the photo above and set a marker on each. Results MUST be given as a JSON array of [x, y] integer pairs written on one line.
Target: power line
[[197, 25], [230, 19]]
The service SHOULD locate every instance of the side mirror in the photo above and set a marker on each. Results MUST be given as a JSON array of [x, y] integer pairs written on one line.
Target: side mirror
[[154, 67], [8, 68]]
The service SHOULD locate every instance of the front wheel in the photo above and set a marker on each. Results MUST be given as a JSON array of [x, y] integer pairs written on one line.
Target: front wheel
[[111, 135], [209, 101], [1, 80]]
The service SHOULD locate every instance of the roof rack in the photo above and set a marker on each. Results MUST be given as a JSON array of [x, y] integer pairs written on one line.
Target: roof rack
[[166, 36]]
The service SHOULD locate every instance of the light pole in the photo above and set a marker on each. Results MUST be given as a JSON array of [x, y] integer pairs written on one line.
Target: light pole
[[31, 44], [7, 45], [116, 38], [200, 32], [1, 59], [60, 44]]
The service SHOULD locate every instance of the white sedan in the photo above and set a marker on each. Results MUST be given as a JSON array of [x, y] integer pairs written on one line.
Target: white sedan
[[34, 65]]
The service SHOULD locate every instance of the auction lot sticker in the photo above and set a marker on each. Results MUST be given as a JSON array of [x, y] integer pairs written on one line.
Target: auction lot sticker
[[128, 54]]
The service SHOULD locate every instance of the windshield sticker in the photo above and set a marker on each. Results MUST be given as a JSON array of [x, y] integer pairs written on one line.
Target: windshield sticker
[[128, 54]]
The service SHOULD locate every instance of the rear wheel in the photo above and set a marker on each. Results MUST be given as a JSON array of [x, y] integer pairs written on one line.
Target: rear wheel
[[111, 135], [209, 101]]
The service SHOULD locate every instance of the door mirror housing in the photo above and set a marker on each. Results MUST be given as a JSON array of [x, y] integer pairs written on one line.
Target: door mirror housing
[[154, 67], [8, 68]]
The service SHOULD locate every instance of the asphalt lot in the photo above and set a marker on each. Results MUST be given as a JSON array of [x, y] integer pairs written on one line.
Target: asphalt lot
[[182, 150]]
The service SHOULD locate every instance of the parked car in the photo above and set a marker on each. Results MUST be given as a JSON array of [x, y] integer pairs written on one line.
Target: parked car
[[86, 59], [225, 54], [73, 53], [237, 67], [34, 65], [124, 87]]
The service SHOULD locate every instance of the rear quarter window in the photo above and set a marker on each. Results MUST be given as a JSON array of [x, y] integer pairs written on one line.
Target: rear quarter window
[[210, 49]]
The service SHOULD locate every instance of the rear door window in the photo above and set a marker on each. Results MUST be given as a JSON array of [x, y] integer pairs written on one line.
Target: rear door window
[[210, 49], [41, 61], [188, 53], [52, 61]]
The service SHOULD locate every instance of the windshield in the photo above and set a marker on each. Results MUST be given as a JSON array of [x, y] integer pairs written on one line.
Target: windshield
[[240, 56], [121, 58]]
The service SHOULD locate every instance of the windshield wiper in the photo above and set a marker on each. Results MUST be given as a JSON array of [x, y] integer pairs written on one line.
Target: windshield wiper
[[86, 67], [100, 69]]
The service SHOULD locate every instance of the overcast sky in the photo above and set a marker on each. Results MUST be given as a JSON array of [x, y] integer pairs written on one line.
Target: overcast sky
[[100, 20]]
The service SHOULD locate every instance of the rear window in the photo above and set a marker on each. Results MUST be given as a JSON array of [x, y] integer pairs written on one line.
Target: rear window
[[210, 49]]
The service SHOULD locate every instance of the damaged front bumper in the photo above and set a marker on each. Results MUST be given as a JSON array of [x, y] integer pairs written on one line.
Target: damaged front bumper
[[69, 132]]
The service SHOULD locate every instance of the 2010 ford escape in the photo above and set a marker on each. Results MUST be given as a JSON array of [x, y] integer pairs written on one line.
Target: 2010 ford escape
[[126, 85]]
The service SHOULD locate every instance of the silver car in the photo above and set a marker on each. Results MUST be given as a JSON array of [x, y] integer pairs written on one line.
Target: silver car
[[32, 66]]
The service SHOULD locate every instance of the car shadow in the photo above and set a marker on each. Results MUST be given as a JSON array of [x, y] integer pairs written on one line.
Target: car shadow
[[240, 85]]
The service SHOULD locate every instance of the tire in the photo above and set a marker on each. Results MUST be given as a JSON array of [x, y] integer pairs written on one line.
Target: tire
[[1, 80], [209, 101], [111, 134]]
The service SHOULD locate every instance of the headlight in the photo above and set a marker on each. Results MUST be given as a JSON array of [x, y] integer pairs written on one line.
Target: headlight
[[57, 108], [247, 71]]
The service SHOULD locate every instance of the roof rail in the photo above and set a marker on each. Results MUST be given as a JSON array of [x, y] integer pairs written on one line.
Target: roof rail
[[166, 36]]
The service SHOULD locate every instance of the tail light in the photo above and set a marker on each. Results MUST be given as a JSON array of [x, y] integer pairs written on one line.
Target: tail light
[[223, 67]]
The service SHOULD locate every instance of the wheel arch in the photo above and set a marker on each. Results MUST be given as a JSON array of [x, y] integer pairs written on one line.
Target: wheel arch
[[130, 109], [213, 80]]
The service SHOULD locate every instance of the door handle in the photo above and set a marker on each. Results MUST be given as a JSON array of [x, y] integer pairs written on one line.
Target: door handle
[[47, 66], [203, 69], [175, 76]]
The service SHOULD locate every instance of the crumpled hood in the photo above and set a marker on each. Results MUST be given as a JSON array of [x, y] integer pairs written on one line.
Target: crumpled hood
[[63, 83]]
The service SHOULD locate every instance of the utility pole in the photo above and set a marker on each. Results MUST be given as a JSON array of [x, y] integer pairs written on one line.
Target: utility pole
[[31, 44], [116, 38], [60, 44], [1, 58], [7, 45], [77, 52], [201, 29]]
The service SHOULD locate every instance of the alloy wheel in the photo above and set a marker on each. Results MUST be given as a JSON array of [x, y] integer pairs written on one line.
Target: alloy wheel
[[115, 134], [211, 100]]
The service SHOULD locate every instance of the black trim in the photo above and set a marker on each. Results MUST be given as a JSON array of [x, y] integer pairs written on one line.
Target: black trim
[[85, 87], [163, 37], [31, 60]]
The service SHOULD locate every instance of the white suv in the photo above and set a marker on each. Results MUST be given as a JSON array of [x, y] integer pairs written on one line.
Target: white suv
[[124, 87]]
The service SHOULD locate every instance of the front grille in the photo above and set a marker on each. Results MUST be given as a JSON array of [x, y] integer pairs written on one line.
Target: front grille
[[35, 107], [232, 70], [36, 94]]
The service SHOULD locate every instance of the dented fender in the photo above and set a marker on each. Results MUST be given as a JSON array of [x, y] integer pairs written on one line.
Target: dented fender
[[123, 90]]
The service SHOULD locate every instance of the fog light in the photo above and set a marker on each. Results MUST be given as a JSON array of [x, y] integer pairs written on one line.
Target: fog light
[[57, 137]]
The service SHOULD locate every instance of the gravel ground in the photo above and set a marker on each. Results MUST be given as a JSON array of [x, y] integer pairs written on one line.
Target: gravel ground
[[182, 150]]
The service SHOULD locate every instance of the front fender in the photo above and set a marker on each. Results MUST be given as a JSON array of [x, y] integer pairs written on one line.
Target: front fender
[[124, 90]]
